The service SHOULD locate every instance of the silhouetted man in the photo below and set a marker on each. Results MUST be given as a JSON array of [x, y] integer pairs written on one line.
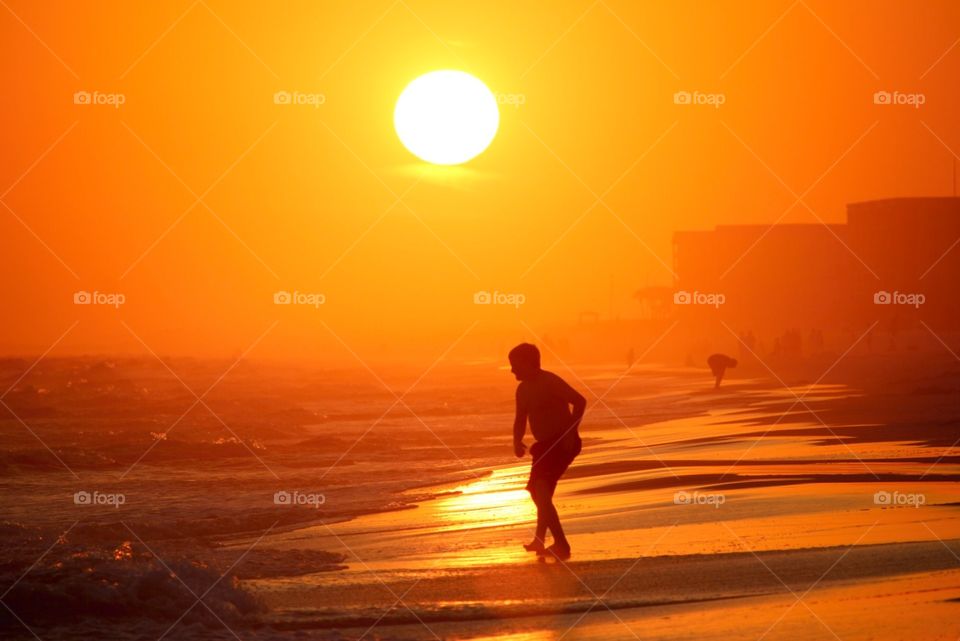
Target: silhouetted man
[[545, 399], [718, 365]]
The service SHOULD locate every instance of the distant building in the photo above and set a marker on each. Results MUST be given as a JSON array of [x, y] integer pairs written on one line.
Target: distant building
[[805, 276]]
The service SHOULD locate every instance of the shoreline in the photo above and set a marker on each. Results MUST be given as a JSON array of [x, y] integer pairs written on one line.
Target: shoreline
[[730, 577], [443, 518]]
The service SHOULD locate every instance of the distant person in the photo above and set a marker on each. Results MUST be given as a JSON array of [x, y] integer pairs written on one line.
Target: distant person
[[545, 399], [718, 365]]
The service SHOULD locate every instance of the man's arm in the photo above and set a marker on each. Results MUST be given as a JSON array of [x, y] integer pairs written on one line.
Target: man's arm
[[579, 403], [519, 427], [579, 407]]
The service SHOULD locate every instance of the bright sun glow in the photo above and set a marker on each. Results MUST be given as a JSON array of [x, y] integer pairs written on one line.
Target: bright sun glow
[[446, 117]]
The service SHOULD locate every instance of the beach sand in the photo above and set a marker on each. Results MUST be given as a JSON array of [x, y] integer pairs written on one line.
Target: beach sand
[[739, 513]]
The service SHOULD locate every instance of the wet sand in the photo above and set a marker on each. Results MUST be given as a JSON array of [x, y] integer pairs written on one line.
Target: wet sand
[[695, 526]]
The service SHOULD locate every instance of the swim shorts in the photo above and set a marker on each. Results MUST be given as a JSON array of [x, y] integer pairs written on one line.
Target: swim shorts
[[550, 460]]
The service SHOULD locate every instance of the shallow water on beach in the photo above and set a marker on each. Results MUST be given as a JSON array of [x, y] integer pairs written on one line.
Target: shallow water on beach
[[679, 488]]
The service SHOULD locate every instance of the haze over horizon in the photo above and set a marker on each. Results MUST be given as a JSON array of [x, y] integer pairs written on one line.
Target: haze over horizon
[[200, 196]]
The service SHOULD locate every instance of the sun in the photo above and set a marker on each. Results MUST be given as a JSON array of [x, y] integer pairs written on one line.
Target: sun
[[446, 117]]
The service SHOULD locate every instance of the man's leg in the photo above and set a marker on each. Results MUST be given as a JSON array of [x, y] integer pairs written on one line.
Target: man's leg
[[543, 496], [537, 544], [541, 533]]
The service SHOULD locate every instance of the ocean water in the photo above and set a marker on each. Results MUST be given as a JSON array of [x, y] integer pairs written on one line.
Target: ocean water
[[319, 504]]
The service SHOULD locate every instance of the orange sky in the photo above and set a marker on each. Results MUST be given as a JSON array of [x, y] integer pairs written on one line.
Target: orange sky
[[294, 197]]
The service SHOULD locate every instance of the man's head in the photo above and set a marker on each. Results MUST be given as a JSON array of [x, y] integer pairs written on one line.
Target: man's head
[[524, 361]]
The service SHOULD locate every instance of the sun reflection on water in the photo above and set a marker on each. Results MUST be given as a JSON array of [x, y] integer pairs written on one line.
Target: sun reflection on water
[[531, 635], [494, 501]]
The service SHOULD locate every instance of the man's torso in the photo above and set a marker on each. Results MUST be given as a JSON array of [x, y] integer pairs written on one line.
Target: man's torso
[[548, 410]]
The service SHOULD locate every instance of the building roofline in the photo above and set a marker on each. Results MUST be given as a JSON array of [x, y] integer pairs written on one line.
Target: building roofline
[[760, 227], [906, 200]]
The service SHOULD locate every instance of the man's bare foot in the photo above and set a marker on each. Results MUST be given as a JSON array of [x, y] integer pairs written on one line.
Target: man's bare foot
[[558, 551], [535, 546]]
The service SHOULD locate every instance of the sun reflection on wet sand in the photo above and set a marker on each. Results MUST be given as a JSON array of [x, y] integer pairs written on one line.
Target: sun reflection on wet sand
[[536, 635], [490, 502]]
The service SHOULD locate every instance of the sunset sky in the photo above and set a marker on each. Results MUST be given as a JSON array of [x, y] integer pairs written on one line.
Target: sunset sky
[[199, 197]]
